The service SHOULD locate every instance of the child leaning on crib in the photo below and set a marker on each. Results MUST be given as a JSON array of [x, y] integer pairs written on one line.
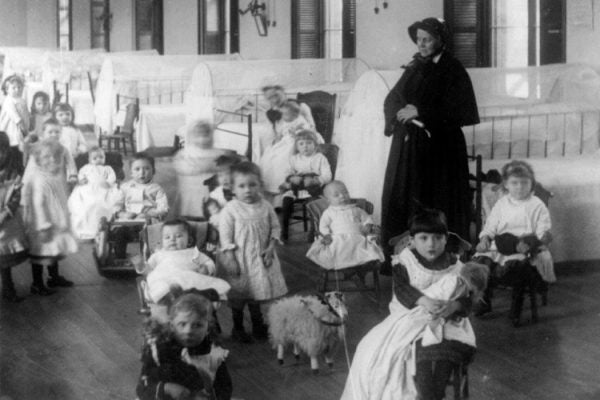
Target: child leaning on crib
[[70, 137], [517, 228], [248, 231], [347, 231], [140, 198], [47, 216], [309, 170], [13, 243], [14, 116], [40, 112], [179, 360]]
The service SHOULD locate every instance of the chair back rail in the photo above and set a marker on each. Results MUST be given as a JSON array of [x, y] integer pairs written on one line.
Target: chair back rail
[[322, 107]]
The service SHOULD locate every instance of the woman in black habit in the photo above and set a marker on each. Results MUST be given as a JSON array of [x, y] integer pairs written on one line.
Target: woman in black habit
[[424, 113]]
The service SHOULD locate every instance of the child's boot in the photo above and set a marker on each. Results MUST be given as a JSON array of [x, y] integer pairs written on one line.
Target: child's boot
[[57, 280], [8, 287], [260, 331], [238, 333], [38, 287]]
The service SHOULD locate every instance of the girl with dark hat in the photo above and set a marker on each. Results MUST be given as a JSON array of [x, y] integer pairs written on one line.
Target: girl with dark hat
[[424, 114]]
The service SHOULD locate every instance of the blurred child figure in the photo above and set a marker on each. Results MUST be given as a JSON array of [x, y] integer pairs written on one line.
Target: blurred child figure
[[194, 164], [95, 196], [349, 234], [212, 210], [139, 198], [275, 162], [51, 130], [13, 243], [308, 171], [14, 116], [248, 231], [47, 217], [70, 137], [222, 192], [40, 112], [179, 360], [515, 237]]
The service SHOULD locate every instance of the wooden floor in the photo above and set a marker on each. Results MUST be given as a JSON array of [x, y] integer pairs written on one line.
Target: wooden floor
[[84, 342]]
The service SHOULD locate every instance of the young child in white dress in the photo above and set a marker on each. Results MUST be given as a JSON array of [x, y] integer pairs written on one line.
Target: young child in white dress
[[179, 262], [348, 233], [51, 130], [275, 161], [222, 192], [70, 137], [40, 112], [517, 229], [47, 217], [139, 199], [95, 196], [14, 116], [308, 172], [249, 230]]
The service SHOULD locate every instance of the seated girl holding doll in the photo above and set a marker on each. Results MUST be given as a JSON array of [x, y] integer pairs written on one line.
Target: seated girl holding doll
[[515, 237], [348, 233], [412, 353], [308, 171]]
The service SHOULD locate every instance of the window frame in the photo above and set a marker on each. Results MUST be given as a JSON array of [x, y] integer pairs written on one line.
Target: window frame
[[70, 20], [320, 18], [158, 37], [107, 23]]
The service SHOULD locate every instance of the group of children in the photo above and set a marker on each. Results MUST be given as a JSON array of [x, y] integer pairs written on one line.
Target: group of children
[[181, 360]]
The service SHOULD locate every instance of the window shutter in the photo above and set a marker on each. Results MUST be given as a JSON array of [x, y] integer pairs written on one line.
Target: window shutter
[[306, 29], [469, 24], [349, 29]]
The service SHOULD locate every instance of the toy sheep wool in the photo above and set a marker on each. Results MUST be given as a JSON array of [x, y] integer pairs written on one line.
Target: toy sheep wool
[[310, 323]]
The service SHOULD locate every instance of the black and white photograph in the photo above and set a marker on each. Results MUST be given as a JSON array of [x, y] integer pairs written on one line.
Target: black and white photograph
[[299, 199]]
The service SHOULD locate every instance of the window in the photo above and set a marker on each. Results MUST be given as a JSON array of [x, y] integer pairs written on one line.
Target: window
[[469, 25], [215, 26], [307, 29], [149, 25], [100, 24], [349, 29], [64, 25]]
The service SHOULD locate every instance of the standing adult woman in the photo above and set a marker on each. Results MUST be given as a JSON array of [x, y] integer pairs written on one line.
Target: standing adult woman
[[424, 113]]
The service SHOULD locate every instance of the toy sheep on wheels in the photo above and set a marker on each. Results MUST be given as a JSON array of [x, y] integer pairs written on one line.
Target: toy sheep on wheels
[[310, 323]]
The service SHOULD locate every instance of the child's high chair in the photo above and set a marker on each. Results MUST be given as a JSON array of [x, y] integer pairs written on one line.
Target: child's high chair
[[355, 274]]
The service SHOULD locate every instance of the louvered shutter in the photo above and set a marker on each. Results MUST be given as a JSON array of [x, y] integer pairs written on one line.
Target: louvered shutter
[[306, 29], [469, 25], [349, 29]]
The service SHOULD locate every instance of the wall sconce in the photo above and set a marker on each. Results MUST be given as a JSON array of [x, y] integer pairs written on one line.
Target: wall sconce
[[259, 12]]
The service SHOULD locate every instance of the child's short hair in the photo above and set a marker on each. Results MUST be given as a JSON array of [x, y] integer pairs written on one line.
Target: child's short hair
[[206, 204], [520, 169], [266, 88], [201, 125], [191, 303], [54, 146], [141, 155], [246, 168], [428, 220], [180, 222], [63, 107], [291, 105], [227, 160], [14, 78], [306, 134], [37, 95], [50, 122], [96, 149]]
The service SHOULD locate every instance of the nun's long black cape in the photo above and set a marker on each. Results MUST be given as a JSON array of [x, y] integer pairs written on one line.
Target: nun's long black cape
[[433, 170]]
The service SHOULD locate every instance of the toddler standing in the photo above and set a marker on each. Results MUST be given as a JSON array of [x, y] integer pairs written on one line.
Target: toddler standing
[[248, 230], [47, 217], [14, 116], [13, 243], [40, 112], [179, 361], [70, 136]]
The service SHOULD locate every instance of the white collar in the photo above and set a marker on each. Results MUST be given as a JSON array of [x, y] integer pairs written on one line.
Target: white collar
[[437, 57]]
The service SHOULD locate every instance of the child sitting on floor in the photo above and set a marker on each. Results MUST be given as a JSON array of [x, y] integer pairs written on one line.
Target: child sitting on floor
[[517, 231], [431, 287], [139, 198], [347, 233], [70, 136], [308, 171], [95, 196], [179, 360]]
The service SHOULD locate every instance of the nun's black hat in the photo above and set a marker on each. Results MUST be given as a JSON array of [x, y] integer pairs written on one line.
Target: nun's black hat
[[433, 26]]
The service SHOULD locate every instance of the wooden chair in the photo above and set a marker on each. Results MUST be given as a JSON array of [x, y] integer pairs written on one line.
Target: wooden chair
[[460, 381], [322, 107], [330, 151], [124, 133], [354, 274]]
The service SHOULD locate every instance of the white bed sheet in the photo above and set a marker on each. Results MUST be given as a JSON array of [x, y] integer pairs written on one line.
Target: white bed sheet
[[158, 124], [575, 207]]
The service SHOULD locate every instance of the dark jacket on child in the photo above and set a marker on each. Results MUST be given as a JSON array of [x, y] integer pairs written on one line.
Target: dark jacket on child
[[171, 368]]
